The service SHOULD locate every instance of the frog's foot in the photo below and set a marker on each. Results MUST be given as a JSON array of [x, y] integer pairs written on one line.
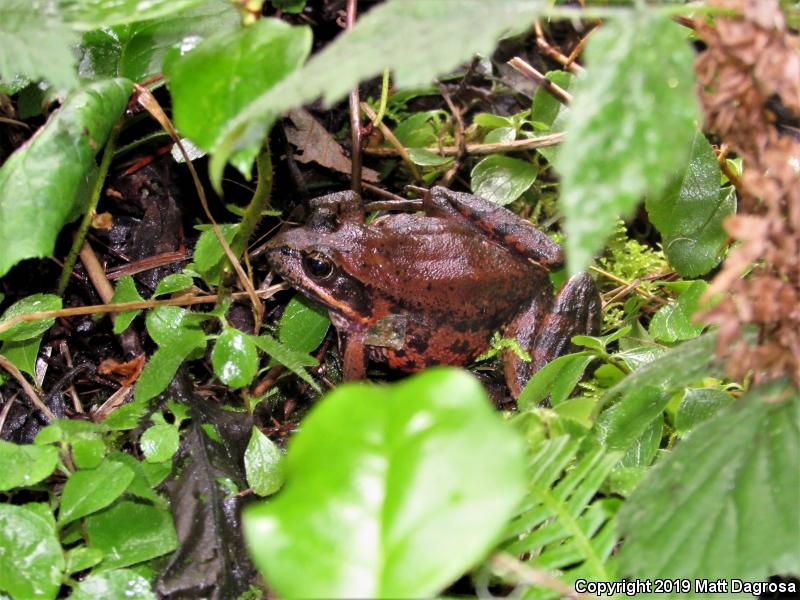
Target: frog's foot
[[546, 331]]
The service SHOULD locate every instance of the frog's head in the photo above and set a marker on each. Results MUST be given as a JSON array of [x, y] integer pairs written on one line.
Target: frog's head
[[314, 260]]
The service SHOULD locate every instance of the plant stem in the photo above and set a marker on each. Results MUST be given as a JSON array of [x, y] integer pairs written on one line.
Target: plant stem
[[259, 201], [83, 229]]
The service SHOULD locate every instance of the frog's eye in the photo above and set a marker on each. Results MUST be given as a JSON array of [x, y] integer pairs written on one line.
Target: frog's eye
[[318, 265]]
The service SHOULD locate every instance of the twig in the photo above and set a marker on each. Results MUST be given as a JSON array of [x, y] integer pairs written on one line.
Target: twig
[[94, 198], [552, 88], [113, 402], [458, 138], [551, 139], [630, 284], [576, 51], [96, 273], [527, 574], [76, 311], [355, 115], [379, 191], [5, 411], [553, 52], [26, 387], [396, 150], [722, 158], [15, 123]]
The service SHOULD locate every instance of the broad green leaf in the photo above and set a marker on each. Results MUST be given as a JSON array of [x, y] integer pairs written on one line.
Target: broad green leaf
[[140, 484], [502, 179], [177, 282], [131, 532], [36, 43], [426, 476], [492, 121], [113, 585], [213, 83], [26, 330], [622, 424], [629, 128], [90, 490], [25, 464], [291, 359], [426, 158], [689, 213], [673, 322], [725, 502], [556, 379], [40, 183], [81, 558], [23, 354], [158, 373], [128, 416], [417, 39], [643, 449], [88, 452], [137, 51], [303, 324], [209, 257], [31, 560], [263, 464], [171, 326], [548, 112], [417, 131], [235, 358], [698, 405], [499, 135], [92, 14], [125, 292], [159, 443]]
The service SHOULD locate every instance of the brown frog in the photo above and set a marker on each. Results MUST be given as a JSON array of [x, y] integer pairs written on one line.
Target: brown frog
[[414, 290]]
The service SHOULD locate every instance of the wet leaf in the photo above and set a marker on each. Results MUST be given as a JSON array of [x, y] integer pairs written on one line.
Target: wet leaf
[[629, 128], [502, 179], [125, 292], [263, 464], [177, 282], [131, 532], [673, 322], [620, 426], [90, 490], [556, 379], [292, 359], [23, 354], [120, 583], [212, 84], [24, 464], [40, 183], [36, 44], [681, 521], [690, 212], [91, 14], [137, 50], [425, 478], [88, 452], [500, 135], [82, 558], [698, 405], [159, 443], [209, 257], [31, 560], [26, 330], [234, 358], [303, 324], [416, 39], [426, 158]]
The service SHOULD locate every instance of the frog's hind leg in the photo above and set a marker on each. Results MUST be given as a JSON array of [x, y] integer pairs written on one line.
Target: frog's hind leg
[[546, 328]]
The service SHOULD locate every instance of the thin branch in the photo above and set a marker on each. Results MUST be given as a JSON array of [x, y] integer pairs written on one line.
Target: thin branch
[[551, 87], [531, 576], [553, 52], [458, 138], [26, 387], [551, 139], [355, 115], [396, 150]]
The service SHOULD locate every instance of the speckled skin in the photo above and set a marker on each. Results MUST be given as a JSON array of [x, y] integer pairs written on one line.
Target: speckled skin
[[412, 290]]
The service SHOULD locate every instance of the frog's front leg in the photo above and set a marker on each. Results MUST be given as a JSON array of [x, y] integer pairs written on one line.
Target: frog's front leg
[[546, 328], [498, 223]]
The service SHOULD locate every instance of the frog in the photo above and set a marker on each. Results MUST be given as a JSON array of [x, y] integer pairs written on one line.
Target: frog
[[409, 290]]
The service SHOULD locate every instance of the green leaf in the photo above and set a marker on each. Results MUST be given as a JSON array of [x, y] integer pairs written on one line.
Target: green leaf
[[698, 405], [31, 560], [93, 14], [725, 502], [88, 452], [112, 585], [177, 282], [40, 183], [125, 292], [673, 322], [556, 379], [690, 212], [500, 135], [157, 374], [36, 44], [416, 39], [23, 354], [81, 558], [426, 158], [131, 532], [137, 51], [25, 464], [209, 257], [417, 131], [629, 128], [26, 330], [545, 109], [502, 179], [88, 491], [291, 359], [426, 474], [263, 464], [213, 83], [619, 427], [159, 443], [234, 358], [303, 325]]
